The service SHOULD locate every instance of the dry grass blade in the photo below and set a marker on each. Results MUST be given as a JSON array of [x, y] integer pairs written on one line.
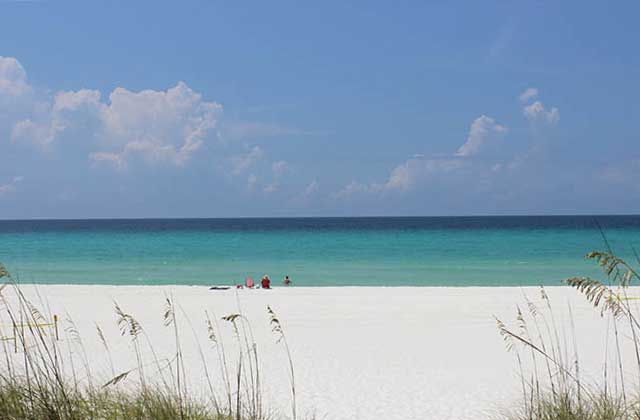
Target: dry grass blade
[[72, 331], [127, 323], [614, 267], [36, 314], [101, 336], [211, 332], [276, 327], [543, 294], [598, 293], [4, 272], [504, 333], [231, 317], [118, 378], [168, 313]]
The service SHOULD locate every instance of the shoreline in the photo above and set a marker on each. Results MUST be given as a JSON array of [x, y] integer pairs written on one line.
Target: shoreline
[[233, 287]]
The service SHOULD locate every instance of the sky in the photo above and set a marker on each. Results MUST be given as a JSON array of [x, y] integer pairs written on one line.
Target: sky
[[332, 108]]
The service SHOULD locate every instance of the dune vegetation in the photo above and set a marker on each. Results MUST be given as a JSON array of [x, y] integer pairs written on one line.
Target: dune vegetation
[[46, 373], [548, 357]]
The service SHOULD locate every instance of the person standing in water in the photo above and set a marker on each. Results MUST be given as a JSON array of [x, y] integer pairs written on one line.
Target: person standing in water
[[265, 283], [286, 281]]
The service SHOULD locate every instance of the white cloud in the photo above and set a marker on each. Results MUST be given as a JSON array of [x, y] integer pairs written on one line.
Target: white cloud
[[13, 77], [11, 186], [74, 101], [253, 155], [351, 189], [404, 176], [161, 126], [115, 160], [400, 177], [311, 188], [480, 128], [536, 112], [279, 168], [308, 193], [418, 169], [68, 109], [157, 126], [528, 94], [242, 163]]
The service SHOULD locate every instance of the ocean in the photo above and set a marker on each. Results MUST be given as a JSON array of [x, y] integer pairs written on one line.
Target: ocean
[[385, 251]]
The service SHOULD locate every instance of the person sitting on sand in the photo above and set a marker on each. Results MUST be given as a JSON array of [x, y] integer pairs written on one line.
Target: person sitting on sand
[[265, 283], [286, 281]]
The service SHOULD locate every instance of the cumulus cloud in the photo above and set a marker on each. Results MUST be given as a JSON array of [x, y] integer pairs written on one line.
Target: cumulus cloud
[[114, 160], [419, 169], [157, 126], [403, 176], [309, 193], [176, 127], [536, 112], [126, 130], [67, 110], [242, 163], [161, 126], [13, 78], [311, 188], [479, 131], [400, 177], [351, 189], [528, 94], [11, 186], [279, 168]]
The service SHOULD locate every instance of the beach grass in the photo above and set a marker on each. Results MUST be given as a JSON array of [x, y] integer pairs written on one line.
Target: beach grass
[[548, 356], [44, 376]]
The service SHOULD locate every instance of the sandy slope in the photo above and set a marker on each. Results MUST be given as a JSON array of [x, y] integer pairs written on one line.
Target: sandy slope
[[359, 353]]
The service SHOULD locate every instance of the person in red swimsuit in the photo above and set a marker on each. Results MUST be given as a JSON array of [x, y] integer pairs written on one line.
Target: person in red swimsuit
[[265, 283]]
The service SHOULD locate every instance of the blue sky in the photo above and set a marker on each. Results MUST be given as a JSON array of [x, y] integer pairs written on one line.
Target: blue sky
[[218, 108]]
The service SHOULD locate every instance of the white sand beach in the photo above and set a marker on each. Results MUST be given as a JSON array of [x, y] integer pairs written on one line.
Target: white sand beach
[[359, 353]]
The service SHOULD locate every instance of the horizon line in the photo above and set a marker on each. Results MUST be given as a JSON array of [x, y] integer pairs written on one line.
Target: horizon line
[[45, 219]]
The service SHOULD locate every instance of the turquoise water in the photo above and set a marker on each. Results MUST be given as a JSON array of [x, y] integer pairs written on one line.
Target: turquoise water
[[313, 252]]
